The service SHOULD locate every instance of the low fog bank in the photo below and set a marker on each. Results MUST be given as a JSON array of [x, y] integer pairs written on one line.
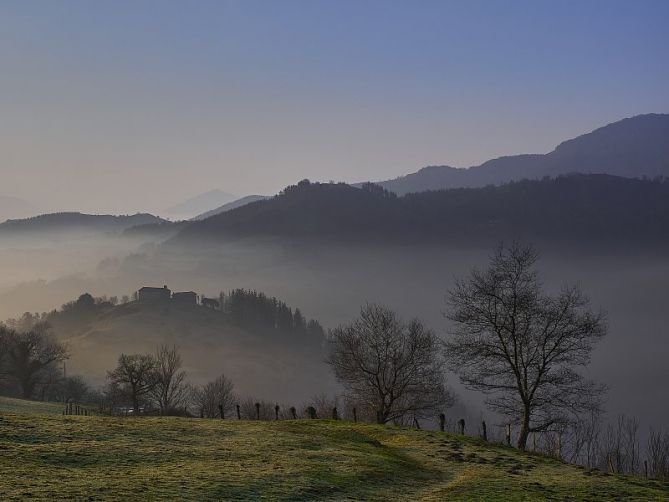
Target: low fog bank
[[330, 282], [39, 273]]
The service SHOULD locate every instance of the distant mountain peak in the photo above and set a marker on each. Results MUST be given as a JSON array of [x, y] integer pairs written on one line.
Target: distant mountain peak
[[633, 147], [201, 203]]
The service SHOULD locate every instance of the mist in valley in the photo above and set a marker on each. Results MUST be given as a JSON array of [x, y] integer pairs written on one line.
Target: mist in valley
[[330, 282]]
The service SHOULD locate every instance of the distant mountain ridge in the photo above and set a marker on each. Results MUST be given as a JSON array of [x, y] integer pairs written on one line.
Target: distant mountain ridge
[[74, 221], [230, 205], [634, 147], [200, 203], [575, 208], [13, 207]]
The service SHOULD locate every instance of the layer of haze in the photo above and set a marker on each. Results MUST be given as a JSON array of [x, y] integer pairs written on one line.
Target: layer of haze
[[121, 106]]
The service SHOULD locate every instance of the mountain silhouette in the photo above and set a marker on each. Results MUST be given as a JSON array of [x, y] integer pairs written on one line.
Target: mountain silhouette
[[200, 203], [573, 208], [231, 205], [75, 222], [634, 147]]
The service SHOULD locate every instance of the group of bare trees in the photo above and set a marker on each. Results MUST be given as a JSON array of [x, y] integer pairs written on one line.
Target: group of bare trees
[[523, 348], [158, 381], [29, 358], [615, 446], [511, 341], [215, 399]]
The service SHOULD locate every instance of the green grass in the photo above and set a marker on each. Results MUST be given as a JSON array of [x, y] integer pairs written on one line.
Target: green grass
[[13, 405], [150, 458]]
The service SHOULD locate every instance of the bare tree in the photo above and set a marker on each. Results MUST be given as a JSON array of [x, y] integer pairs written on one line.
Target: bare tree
[[29, 355], [134, 374], [210, 397], [619, 450], [389, 365], [170, 389], [522, 347], [657, 451], [584, 439]]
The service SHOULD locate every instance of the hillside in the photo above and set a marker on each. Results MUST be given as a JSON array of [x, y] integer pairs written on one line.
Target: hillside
[[14, 405], [634, 147], [598, 209], [59, 223], [261, 359], [50, 457]]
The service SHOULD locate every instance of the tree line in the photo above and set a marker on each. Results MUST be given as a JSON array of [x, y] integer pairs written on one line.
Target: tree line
[[254, 310]]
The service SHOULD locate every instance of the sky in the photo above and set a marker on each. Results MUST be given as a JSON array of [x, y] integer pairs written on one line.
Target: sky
[[124, 106]]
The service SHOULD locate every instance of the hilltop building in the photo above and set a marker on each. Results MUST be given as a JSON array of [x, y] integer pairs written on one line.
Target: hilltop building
[[147, 294], [150, 295], [185, 297]]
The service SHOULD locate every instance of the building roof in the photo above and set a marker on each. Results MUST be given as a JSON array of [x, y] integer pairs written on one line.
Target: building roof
[[148, 289]]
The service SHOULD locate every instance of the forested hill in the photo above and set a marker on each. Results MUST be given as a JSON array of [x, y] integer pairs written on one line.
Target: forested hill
[[76, 222], [570, 209], [266, 347], [634, 147]]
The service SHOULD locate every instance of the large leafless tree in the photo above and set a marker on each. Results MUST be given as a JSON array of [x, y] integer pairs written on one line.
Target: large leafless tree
[[134, 375], [522, 346], [170, 388], [393, 367]]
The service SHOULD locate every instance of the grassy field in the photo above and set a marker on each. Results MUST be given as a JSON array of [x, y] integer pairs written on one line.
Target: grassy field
[[10, 404], [101, 458]]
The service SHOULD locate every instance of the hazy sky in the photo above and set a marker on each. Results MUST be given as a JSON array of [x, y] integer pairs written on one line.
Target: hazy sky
[[135, 105]]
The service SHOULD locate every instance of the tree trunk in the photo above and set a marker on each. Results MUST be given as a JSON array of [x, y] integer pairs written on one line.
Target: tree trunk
[[524, 429], [135, 406]]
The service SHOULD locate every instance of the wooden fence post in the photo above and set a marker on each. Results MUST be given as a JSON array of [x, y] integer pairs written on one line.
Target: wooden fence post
[[461, 426], [220, 410], [355, 414], [442, 422], [257, 411], [645, 468], [276, 412], [508, 434], [609, 463], [484, 431], [239, 413]]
